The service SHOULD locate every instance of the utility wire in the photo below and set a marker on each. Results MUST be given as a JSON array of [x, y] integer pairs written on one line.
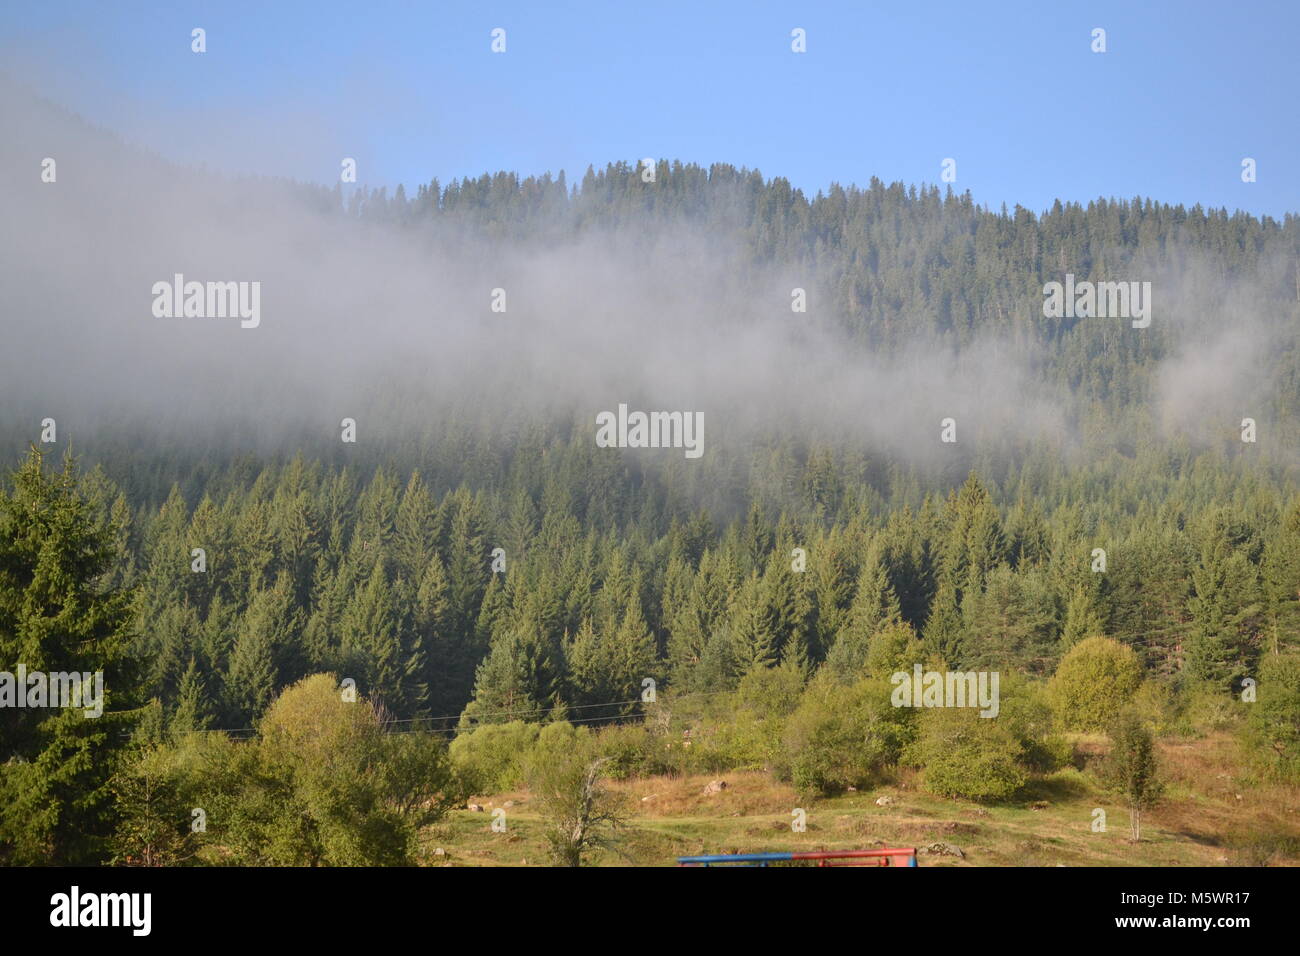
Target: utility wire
[[499, 713]]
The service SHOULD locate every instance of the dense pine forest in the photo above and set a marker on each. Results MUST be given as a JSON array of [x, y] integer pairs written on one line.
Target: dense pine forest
[[471, 568]]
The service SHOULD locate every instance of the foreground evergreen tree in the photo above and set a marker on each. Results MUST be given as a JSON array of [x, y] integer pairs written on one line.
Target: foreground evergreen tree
[[1225, 609], [1273, 726], [58, 615]]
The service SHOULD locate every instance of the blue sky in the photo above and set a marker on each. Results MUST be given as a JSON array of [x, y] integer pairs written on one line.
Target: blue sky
[[1011, 91]]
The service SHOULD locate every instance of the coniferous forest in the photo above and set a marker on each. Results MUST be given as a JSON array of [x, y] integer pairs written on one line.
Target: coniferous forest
[[332, 650]]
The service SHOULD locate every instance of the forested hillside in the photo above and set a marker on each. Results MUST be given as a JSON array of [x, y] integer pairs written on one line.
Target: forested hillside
[[1110, 495], [376, 560]]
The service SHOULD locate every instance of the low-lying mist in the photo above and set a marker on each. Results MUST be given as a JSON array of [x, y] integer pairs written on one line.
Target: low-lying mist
[[394, 326]]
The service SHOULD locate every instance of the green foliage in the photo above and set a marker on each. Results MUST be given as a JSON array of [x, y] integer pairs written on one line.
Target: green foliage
[[1012, 623], [58, 614], [892, 650], [1225, 606], [565, 777], [969, 756], [1082, 618], [1205, 707], [842, 736], [618, 571], [310, 567], [608, 668], [772, 692], [1156, 705], [1093, 681], [490, 758], [156, 825], [1130, 767], [1273, 724], [325, 785], [1025, 710], [857, 654], [631, 750], [739, 741]]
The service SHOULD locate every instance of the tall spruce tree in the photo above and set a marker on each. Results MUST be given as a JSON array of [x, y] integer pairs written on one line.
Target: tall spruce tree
[[58, 616]]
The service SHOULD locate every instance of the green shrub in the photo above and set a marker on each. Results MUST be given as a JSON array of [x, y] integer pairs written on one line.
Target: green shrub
[[1025, 709], [1273, 721], [894, 648], [322, 785], [1154, 702], [969, 756], [742, 742], [631, 750], [551, 742], [772, 692], [856, 655], [842, 736], [1093, 681], [566, 778], [1053, 752], [154, 802], [490, 758], [1204, 707]]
